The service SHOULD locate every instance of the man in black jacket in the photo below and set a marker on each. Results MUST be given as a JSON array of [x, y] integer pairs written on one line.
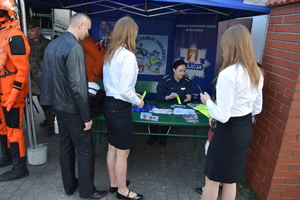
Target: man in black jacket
[[65, 88]]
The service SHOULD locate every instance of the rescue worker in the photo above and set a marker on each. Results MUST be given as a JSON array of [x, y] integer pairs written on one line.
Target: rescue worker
[[5, 159], [38, 44], [14, 69], [94, 53]]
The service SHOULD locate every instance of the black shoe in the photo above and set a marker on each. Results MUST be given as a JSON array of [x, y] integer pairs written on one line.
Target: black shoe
[[96, 195], [162, 143], [44, 123], [137, 197], [6, 158], [19, 169], [115, 189], [199, 190], [150, 142]]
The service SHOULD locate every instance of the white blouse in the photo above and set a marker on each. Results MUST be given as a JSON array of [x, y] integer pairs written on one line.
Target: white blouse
[[235, 96], [120, 76]]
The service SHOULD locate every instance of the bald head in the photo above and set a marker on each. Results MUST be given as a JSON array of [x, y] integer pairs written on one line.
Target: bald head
[[79, 25], [79, 17]]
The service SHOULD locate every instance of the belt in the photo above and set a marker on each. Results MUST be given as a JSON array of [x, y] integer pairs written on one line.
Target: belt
[[8, 74]]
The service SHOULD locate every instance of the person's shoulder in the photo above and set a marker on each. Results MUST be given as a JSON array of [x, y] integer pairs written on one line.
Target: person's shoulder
[[230, 69], [187, 79], [66, 41], [125, 51], [166, 78], [17, 32], [44, 39]]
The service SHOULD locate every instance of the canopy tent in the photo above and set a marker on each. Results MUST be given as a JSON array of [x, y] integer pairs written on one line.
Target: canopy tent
[[165, 9], [157, 18]]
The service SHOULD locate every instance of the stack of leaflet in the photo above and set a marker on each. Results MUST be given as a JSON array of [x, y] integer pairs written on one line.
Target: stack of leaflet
[[188, 114], [182, 111]]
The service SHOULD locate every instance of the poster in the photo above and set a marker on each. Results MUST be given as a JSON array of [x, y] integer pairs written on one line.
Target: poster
[[151, 54], [195, 42], [105, 31]]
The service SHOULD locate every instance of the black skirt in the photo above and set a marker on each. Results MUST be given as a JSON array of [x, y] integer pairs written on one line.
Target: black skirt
[[228, 149], [118, 119]]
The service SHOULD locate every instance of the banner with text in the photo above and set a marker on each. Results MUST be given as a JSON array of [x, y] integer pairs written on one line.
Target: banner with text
[[195, 41]]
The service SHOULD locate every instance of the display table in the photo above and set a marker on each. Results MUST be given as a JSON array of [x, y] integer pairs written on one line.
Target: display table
[[173, 120]]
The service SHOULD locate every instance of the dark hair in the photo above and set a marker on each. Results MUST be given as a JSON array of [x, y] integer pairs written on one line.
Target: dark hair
[[177, 63]]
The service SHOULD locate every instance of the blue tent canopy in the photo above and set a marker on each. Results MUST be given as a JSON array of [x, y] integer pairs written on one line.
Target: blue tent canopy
[[160, 9]]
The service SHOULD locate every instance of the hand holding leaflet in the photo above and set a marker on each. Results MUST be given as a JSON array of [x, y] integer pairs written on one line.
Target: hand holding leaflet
[[178, 100], [144, 94], [200, 89]]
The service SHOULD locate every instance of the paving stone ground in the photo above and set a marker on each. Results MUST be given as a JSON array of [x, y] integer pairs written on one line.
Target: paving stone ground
[[159, 173]]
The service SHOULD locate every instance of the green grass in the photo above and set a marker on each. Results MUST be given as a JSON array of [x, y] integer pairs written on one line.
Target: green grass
[[252, 194]]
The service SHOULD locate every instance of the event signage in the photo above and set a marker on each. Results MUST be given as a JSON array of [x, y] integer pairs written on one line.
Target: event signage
[[151, 54], [195, 42]]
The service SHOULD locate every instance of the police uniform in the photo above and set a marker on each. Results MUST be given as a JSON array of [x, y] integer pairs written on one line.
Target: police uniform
[[168, 84], [165, 87], [36, 57]]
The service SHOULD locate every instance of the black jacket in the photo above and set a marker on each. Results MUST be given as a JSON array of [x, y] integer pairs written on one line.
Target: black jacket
[[168, 84], [64, 81]]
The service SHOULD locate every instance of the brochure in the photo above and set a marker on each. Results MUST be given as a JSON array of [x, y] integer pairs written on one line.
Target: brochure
[[182, 111]]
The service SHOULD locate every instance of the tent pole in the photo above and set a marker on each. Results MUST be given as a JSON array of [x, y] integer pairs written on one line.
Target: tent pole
[[23, 16], [29, 107]]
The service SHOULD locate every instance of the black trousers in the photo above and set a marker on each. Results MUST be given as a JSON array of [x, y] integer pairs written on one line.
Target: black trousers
[[74, 138], [155, 129]]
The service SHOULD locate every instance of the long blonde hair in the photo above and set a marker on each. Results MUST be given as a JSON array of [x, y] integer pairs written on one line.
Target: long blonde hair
[[237, 47], [124, 34]]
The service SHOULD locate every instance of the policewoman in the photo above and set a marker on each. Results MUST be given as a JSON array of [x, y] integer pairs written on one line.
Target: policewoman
[[168, 88]]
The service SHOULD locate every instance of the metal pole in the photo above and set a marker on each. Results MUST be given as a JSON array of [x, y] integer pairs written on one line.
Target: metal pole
[[29, 107]]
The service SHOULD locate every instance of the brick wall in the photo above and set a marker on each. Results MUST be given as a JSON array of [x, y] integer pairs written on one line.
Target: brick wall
[[273, 165]]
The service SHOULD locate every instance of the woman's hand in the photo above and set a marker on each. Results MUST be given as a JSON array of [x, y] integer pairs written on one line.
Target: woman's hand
[[188, 98], [253, 120], [171, 96], [139, 96], [210, 121], [204, 97], [141, 104]]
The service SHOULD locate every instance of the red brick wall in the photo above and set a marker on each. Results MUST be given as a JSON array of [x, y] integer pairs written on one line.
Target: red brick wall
[[273, 165]]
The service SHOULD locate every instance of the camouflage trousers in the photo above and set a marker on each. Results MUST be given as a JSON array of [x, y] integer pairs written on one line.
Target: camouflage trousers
[[49, 114]]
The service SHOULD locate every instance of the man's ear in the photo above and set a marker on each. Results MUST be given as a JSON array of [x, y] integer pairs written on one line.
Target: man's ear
[[80, 24], [40, 30]]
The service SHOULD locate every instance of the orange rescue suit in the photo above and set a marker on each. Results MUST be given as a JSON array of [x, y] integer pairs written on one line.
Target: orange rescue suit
[[94, 59], [14, 69]]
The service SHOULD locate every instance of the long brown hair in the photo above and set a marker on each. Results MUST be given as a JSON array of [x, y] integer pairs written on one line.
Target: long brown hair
[[237, 47], [124, 34]]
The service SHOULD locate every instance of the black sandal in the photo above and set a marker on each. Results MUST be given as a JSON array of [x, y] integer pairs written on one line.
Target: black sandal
[[137, 197]]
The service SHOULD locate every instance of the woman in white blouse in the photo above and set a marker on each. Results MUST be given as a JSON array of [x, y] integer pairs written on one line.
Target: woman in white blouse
[[239, 97], [119, 78]]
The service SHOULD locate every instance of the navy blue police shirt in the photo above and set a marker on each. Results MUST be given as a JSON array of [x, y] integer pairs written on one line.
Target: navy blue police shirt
[[168, 84]]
